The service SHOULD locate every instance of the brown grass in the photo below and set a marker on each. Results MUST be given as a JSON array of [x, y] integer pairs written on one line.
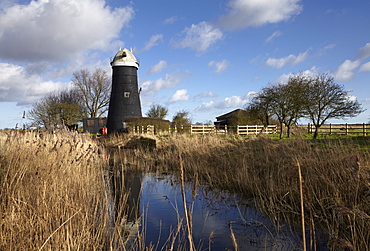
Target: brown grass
[[335, 174], [52, 193]]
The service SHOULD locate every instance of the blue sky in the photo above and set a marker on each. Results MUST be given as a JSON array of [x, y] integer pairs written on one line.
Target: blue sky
[[205, 57]]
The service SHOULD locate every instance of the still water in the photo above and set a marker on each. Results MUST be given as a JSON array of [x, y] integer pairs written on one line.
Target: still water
[[214, 213]]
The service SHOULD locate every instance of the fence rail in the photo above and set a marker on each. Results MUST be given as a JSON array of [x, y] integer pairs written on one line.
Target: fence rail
[[341, 129], [256, 129], [210, 129], [328, 129], [150, 129]]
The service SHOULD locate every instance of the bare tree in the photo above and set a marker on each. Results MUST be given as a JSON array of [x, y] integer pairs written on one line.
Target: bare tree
[[60, 108], [94, 89], [292, 99], [317, 98], [282, 101], [259, 108], [324, 99]]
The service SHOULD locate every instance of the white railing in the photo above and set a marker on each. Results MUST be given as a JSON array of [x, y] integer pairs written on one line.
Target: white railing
[[210, 129]]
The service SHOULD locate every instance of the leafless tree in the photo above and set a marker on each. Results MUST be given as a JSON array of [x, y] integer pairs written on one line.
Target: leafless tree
[[95, 89], [59, 108], [324, 99]]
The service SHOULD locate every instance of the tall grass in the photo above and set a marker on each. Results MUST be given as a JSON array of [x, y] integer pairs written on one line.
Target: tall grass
[[53, 194], [335, 180]]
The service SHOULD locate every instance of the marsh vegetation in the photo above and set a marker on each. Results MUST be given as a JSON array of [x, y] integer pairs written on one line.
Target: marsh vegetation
[[54, 194]]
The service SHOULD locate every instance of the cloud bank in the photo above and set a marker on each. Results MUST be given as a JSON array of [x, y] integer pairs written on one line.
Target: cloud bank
[[219, 66], [16, 85], [56, 30], [278, 63], [158, 67], [180, 95], [170, 81], [242, 14], [51, 39], [199, 37], [229, 102]]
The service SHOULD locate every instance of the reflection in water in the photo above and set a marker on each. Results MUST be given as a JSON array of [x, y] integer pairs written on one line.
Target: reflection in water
[[161, 208], [154, 203], [126, 187], [132, 185]]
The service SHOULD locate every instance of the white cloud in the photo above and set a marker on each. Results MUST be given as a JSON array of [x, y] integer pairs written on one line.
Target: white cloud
[[325, 48], [329, 46], [351, 97], [365, 67], [345, 71], [246, 13], [219, 66], [16, 85], [206, 94], [229, 102], [180, 95], [158, 67], [153, 41], [170, 20], [168, 82], [199, 37], [56, 30], [283, 79], [364, 52], [273, 36], [291, 59]]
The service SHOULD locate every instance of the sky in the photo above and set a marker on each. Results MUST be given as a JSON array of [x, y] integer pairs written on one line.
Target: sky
[[205, 57]]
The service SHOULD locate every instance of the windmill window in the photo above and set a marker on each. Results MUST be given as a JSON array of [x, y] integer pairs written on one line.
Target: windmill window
[[126, 94]]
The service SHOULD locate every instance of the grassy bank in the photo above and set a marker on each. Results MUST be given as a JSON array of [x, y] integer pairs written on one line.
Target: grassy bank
[[335, 178]]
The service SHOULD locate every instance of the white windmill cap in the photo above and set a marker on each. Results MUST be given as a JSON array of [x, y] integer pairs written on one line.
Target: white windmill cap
[[125, 58]]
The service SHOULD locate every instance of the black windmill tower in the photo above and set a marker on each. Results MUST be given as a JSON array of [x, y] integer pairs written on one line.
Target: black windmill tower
[[125, 99]]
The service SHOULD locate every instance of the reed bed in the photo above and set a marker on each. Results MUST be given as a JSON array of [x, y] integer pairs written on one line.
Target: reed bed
[[53, 195], [323, 187]]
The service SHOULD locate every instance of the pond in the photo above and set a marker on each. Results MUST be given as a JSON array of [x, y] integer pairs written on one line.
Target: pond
[[215, 216]]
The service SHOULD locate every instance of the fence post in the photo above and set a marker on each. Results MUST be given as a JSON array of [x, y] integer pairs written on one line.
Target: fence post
[[330, 129], [346, 129], [308, 128], [225, 129], [364, 129]]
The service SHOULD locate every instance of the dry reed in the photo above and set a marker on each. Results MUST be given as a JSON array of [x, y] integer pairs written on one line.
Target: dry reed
[[53, 194], [53, 190], [335, 173]]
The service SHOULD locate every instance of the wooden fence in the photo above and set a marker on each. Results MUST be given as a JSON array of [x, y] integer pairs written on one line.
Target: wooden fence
[[209, 129], [341, 129], [256, 129], [149, 129], [329, 129]]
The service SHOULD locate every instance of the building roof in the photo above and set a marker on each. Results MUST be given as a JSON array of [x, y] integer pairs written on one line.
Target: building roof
[[230, 114], [125, 58]]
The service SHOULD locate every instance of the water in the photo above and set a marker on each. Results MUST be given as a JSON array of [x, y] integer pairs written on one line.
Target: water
[[161, 209]]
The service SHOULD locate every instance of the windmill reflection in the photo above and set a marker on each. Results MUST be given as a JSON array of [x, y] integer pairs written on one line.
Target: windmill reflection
[[126, 186]]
